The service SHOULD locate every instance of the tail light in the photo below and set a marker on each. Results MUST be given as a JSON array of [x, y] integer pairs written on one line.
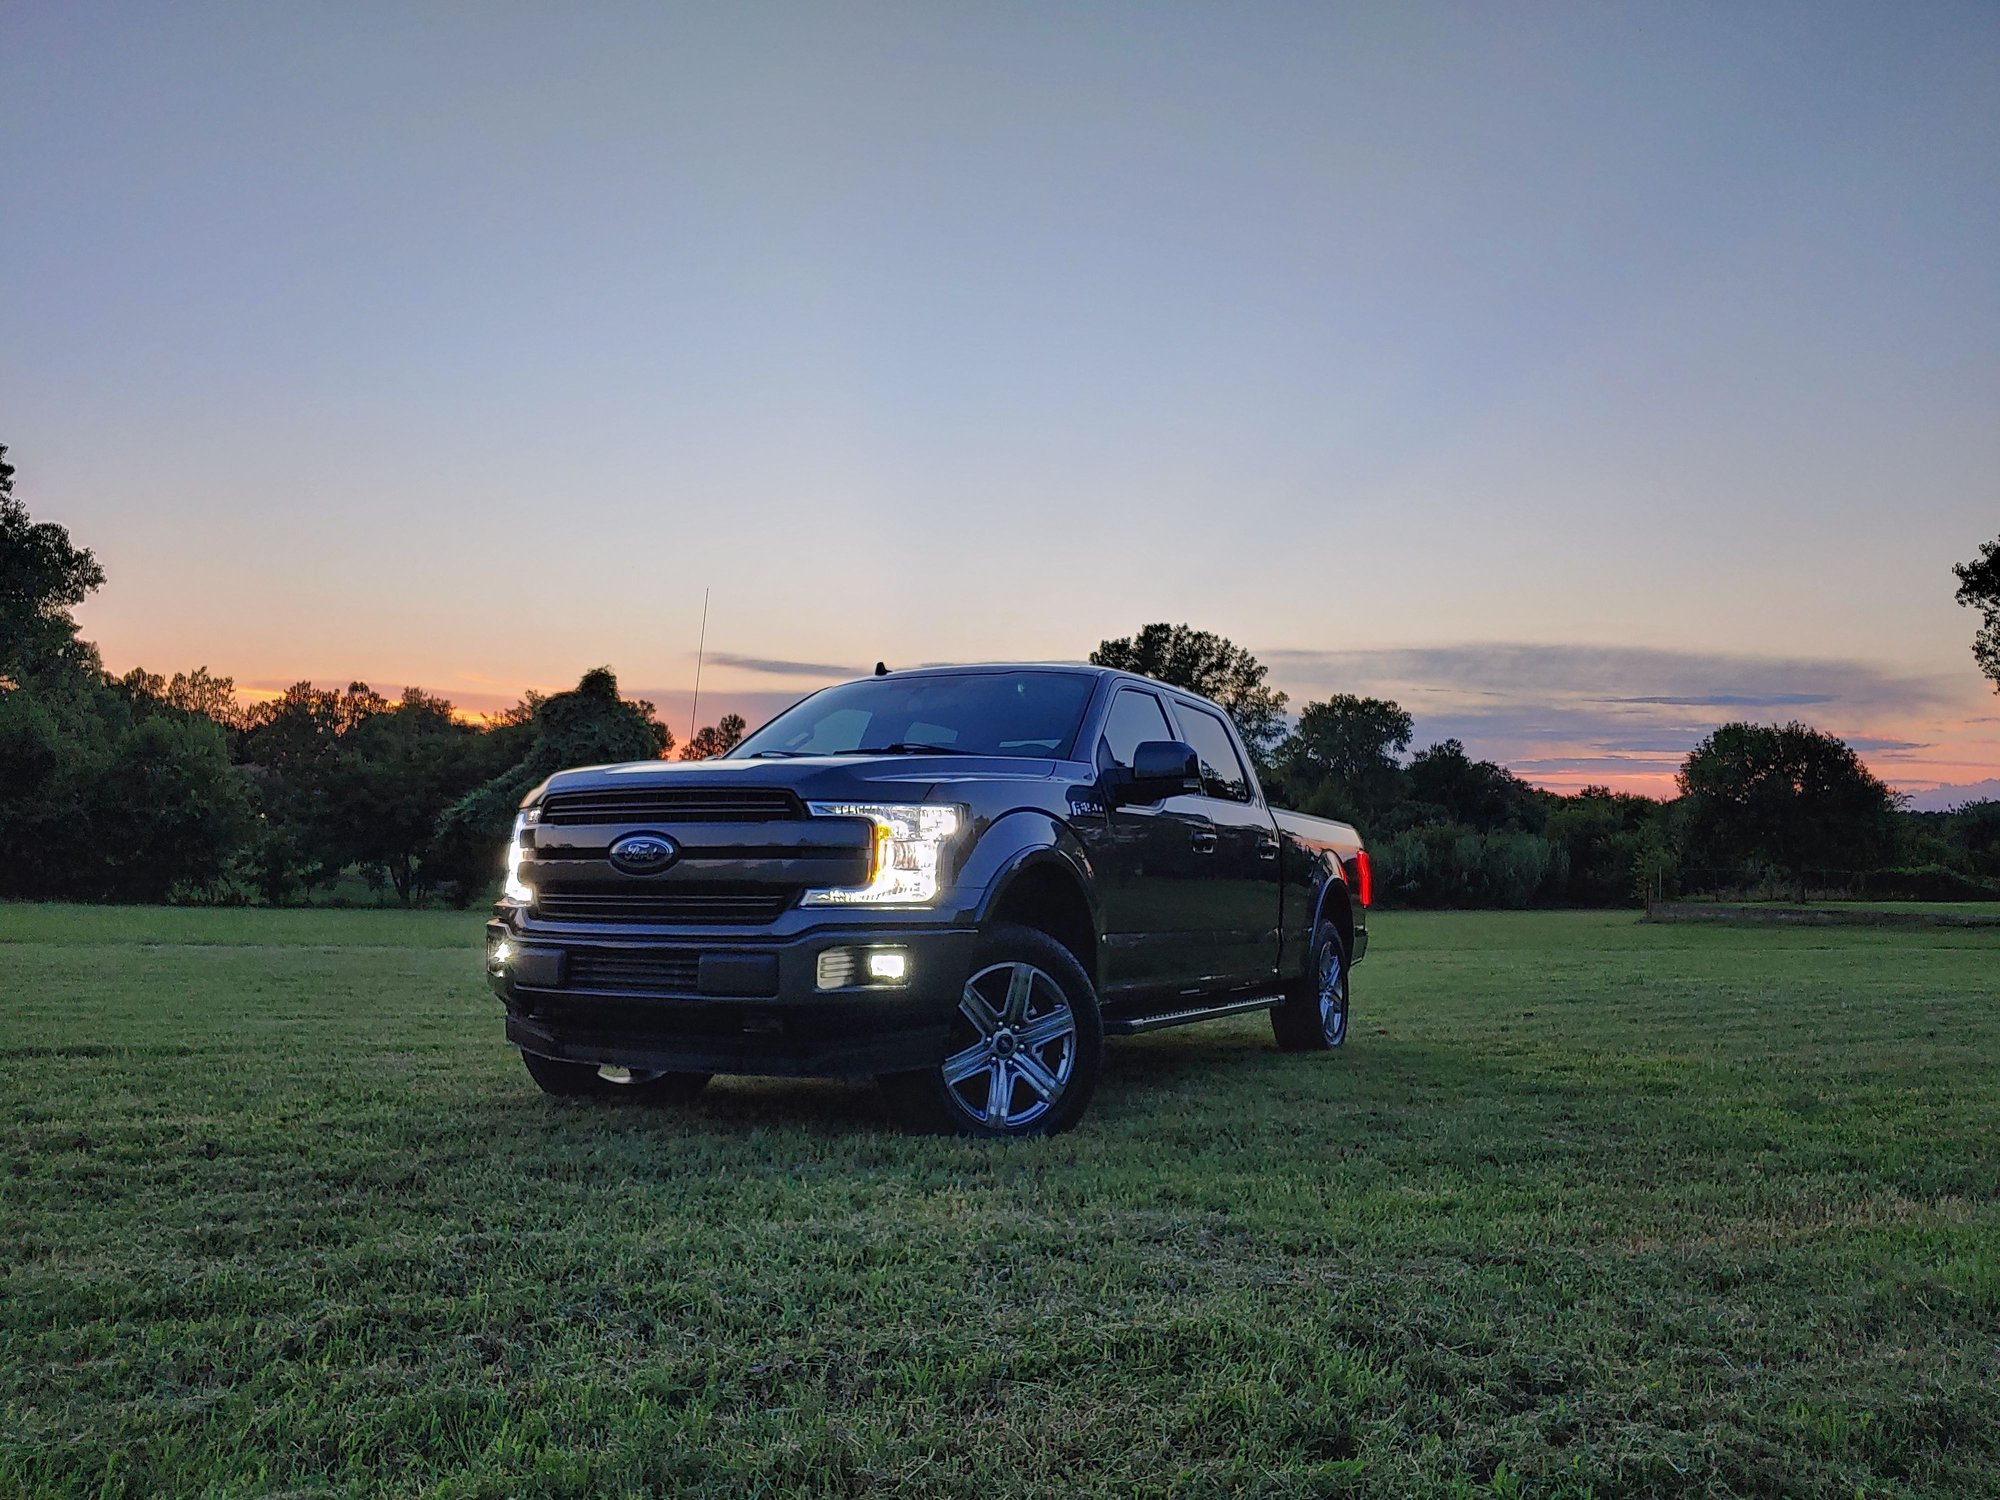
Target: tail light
[[1364, 879]]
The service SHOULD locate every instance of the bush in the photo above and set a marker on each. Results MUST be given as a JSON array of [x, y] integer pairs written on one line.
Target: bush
[[1932, 882], [168, 811], [1450, 865]]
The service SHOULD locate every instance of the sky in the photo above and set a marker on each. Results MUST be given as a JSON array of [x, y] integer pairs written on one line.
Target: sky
[[1580, 376]]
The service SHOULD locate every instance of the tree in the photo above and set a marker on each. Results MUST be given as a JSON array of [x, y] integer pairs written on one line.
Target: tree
[[1792, 798], [1477, 793], [1979, 588], [43, 576], [718, 738], [395, 773], [1342, 760], [168, 811], [293, 743], [1204, 663], [190, 694], [1607, 835], [588, 725]]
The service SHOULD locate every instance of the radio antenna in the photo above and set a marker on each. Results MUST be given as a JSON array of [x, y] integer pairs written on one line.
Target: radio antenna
[[694, 708]]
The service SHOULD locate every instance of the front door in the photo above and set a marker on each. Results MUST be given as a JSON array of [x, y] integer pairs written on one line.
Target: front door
[[1146, 864]]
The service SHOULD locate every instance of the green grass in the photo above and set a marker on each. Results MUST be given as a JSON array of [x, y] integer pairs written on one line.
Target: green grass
[[1586, 1207]]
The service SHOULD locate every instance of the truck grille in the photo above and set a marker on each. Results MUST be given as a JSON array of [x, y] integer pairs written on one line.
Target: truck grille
[[635, 970], [710, 904], [700, 804]]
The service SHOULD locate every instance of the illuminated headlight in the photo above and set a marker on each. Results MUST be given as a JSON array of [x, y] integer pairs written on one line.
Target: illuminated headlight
[[904, 856], [517, 889]]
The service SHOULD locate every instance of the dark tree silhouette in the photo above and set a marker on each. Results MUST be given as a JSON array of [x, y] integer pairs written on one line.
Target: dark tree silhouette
[[716, 739], [1979, 588], [1791, 797], [586, 726], [396, 773], [1477, 793], [1204, 663], [1342, 759], [43, 576]]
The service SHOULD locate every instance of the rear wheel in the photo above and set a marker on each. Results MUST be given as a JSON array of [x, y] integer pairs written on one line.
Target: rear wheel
[[1313, 1018], [1025, 1048], [570, 1080]]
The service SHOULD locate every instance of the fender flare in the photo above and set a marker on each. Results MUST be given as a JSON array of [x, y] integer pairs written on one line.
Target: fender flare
[[1331, 878], [1020, 841]]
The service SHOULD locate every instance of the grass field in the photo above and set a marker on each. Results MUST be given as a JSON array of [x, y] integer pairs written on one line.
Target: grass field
[[1586, 1207]]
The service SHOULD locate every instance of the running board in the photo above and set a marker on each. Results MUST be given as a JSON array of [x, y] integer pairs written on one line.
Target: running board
[[1132, 1026]]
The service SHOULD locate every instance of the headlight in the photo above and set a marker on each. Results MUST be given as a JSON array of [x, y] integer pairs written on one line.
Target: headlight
[[516, 889], [908, 847]]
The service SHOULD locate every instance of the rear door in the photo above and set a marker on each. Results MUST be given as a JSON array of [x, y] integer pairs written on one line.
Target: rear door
[[1237, 860]]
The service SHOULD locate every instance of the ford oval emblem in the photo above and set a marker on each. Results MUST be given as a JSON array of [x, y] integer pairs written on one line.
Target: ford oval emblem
[[643, 853]]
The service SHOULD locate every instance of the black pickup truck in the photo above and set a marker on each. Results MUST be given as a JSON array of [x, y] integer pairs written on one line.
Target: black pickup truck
[[958, 879]]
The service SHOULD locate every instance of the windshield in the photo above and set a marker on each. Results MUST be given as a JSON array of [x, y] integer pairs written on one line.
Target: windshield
[[1032, 714]]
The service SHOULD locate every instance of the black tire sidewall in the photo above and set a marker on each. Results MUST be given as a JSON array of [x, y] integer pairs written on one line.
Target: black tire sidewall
[[572, 1080], [1296, 1023]]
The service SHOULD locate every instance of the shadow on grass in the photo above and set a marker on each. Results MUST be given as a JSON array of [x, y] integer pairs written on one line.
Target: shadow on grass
[[1147, 1083]]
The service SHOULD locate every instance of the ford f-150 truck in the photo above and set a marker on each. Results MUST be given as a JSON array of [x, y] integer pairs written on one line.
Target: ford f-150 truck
[[958, 879]]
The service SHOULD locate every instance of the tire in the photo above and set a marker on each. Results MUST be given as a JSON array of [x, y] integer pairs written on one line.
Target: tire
[[568, 1080], [1028, 1023], [1313, 1018]]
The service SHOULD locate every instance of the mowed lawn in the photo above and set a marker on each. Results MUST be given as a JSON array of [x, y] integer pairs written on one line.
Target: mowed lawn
[[1585, 1207]]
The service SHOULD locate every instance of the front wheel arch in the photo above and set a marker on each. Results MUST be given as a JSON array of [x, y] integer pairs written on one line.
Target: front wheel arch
[[1044, 891]]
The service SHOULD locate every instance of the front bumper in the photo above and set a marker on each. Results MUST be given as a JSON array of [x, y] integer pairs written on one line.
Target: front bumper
[[727, 1002]]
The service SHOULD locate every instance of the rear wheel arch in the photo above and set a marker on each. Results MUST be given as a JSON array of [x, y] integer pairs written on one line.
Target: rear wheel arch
[[1337, 907]]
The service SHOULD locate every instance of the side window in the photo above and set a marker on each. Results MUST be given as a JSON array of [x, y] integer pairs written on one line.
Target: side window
[[1222, 773], [1135, 717]]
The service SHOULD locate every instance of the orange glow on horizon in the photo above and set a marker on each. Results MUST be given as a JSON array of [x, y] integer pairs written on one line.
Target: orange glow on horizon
[[1923, 756]]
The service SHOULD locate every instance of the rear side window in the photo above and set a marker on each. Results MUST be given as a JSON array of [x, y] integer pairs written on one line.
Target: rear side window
[[1134, 718], [1222, 773]]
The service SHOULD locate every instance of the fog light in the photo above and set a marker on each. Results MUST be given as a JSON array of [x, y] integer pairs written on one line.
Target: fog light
[[498, 955], [890, 965]]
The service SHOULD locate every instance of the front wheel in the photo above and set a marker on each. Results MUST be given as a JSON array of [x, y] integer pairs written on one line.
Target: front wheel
[[570, 1080], [1313, 1018], [1025, 1050]]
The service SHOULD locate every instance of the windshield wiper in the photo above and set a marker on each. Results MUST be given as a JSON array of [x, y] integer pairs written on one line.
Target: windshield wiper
[[908, 747], [770, 754]]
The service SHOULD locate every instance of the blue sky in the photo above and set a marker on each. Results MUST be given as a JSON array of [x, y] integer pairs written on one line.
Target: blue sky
[[1580, 375]]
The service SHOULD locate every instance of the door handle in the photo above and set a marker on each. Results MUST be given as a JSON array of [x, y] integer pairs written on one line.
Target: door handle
[[1203, 840], [1267, 848]]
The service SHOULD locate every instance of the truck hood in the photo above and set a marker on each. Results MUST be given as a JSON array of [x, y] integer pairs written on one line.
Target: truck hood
[[815, 778]]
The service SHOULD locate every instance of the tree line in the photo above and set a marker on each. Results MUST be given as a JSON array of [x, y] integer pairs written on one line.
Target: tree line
[[1761, 810], [145, 787]]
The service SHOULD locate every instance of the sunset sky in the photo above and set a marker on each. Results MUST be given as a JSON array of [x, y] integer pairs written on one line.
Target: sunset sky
[[1579, 375]]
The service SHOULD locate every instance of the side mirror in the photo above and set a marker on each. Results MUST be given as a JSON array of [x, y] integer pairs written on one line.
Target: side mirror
[[1160, 769]]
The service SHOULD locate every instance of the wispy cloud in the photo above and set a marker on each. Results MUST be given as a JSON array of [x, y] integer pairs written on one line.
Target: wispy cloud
[[1626, 764], [1566, 714], [1945, 798], [772, 666], [1733, 700], [1869, 745], [1632, 676]]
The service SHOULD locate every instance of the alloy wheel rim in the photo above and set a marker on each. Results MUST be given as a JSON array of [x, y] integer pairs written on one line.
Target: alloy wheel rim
[[1013, 1046], [1332, 994]]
